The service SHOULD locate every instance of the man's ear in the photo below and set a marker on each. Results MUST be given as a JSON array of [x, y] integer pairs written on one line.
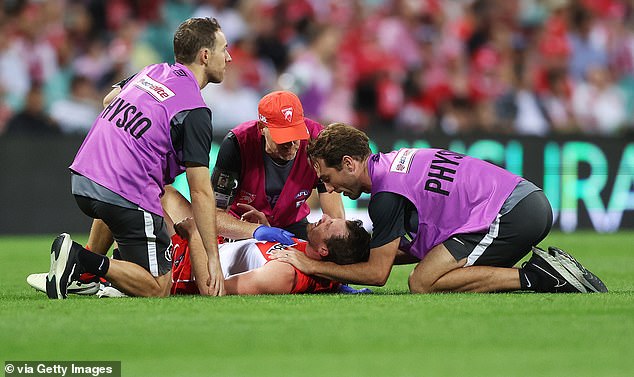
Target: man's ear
[[204, 56], [323, 251], [348, 163]]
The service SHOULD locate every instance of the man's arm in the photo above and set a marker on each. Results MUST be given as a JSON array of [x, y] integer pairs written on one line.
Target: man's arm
[[204, 210], [233, 228], [179, 212], [116, 89], [404, 258], [373, 272], [228, 165], [272, 278], [110, 96], [332, 205]]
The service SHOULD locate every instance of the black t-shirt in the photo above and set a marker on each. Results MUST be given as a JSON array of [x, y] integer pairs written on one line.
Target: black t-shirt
[[191, 133], [393, 216], [228, 159]]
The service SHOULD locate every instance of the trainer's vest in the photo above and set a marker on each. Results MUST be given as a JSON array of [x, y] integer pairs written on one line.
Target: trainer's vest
[[291, 206], [452, 193], [129, 149]]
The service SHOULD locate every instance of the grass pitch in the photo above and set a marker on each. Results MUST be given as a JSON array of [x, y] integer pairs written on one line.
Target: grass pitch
[[390, 333]]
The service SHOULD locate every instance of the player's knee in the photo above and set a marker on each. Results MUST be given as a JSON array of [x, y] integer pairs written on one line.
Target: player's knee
[[150, 291], [160, 289], [418, 285]]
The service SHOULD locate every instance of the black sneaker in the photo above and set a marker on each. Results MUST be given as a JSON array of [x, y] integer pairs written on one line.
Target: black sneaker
[[551, 275], [587, 278], [64, 267]]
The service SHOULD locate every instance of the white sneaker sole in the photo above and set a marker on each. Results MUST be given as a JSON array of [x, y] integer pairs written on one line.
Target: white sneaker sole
[[557, 266]]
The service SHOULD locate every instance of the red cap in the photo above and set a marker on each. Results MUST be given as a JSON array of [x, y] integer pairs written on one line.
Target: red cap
[[283, 114]]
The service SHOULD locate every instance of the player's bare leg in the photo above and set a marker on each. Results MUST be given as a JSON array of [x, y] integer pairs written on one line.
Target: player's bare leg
[[100, 238], [134, 280], [440, 272]]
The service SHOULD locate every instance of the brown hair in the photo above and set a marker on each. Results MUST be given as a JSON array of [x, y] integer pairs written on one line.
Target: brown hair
[[353, 248], [338, 140], [192, 35]]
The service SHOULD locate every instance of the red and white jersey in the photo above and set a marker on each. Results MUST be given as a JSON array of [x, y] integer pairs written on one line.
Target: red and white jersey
[[237, 257]]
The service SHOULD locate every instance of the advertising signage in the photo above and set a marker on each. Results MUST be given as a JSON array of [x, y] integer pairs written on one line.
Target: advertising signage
[[589, 182]]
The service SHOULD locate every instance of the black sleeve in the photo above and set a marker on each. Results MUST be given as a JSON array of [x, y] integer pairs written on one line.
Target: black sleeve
[[228, 159], [321, 187], [387, 212], [197, 137], [122, 83], [225, 178]]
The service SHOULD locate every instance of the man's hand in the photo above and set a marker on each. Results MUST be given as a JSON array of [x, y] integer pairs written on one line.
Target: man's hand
[[252, 215], [185, 228], [271, 234], [297, 259], [216, 280]]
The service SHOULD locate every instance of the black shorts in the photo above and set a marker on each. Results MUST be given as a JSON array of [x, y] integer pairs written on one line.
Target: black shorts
[[141, 236], [509, 238]]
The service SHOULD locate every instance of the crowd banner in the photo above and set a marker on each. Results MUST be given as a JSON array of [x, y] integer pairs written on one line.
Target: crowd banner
[[588, 180]]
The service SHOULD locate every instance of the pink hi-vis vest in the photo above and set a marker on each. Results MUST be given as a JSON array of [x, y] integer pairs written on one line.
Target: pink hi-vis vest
[[291, 205], [129, 149], [453, 193]]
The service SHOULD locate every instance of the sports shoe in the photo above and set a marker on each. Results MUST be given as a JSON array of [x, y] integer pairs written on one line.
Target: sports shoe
[[106, 289], [552, 276], [38, 281], [64, 265], [88, 277], [589, 280]]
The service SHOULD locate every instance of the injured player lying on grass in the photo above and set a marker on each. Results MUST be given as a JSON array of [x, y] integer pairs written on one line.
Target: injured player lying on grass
[[247, 267]]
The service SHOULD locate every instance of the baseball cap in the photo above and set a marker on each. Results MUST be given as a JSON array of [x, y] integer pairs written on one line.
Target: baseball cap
[[282, 113]]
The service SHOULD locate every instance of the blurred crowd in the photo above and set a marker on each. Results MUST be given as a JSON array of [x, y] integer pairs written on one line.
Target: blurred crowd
[[530, 67]]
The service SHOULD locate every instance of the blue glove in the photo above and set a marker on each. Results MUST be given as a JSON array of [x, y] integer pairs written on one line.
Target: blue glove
[[348, 290], [272, 234]]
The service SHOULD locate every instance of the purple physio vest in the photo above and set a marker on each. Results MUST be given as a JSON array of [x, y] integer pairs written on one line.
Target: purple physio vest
[[452, 193], [129, 149], [291, 205]]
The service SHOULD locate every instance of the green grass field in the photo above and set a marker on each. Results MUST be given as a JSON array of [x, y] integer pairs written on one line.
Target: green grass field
[[390, 333]]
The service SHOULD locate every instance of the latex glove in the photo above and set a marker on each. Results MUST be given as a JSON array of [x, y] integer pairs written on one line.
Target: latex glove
[[272, 234], [346, 289]]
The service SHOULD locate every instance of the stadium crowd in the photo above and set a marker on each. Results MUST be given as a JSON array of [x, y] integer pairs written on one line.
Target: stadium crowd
[[530, 67]]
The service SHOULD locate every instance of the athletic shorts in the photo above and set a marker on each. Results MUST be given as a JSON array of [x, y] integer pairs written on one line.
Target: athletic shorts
[[141, 236], [509, 238], [183, 282]]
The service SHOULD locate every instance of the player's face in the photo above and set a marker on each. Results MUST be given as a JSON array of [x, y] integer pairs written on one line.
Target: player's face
[[324, 229], [218, 59], [284, 152], [341, 181]]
